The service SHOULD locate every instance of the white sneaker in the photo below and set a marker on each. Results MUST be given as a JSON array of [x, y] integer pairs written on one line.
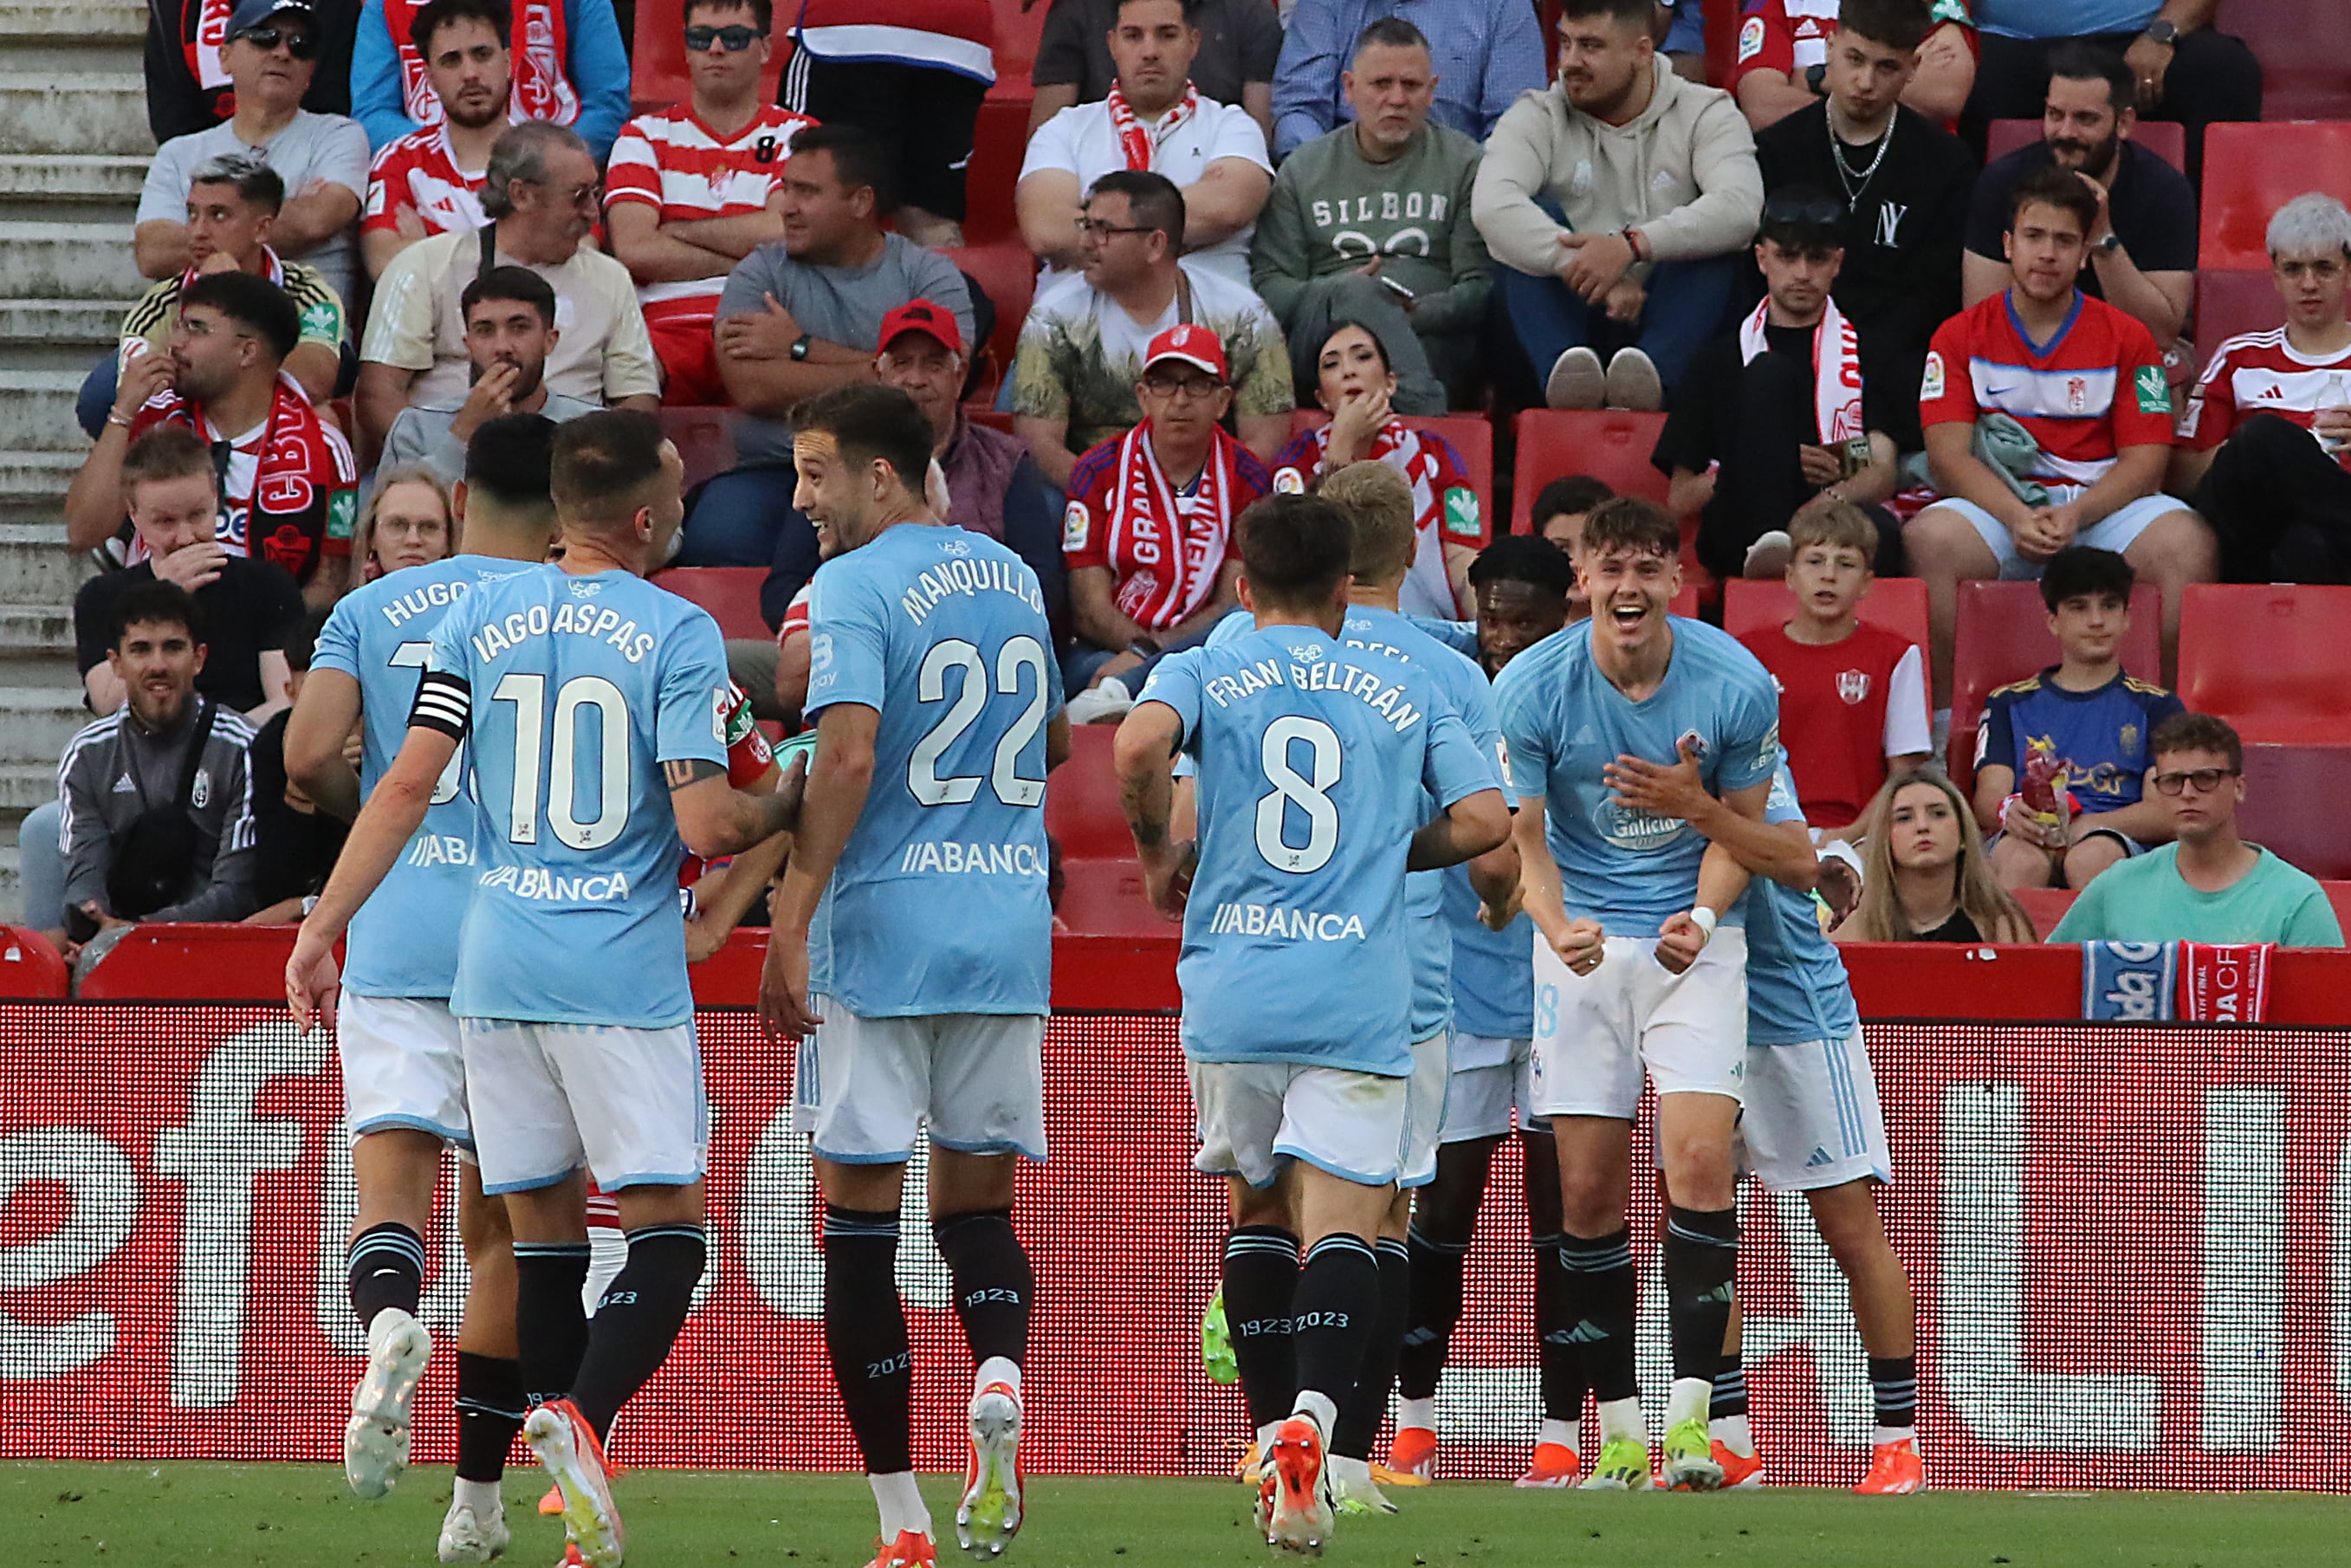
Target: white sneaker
[[1576, 381], [560, 1436], [467, 1537], [375, 1443], [1105, 702], [1634, 383], [1768, 556], [990, 1515]]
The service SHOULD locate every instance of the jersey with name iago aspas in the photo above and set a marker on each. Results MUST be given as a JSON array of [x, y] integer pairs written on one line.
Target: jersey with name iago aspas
[[571, 694], [1565, 720], [403, 939], [940, 901], [1316, 764]]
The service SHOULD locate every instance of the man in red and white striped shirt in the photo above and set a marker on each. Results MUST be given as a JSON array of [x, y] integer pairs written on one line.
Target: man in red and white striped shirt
[[694, 188], [429, 181]]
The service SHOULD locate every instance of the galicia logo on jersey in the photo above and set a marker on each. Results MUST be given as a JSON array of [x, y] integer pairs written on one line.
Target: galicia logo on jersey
[[1629, 828]]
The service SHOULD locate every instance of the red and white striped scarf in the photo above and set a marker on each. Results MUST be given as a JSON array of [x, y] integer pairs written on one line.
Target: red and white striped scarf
[[1171, 548], [1139, 142], [1836, 370]]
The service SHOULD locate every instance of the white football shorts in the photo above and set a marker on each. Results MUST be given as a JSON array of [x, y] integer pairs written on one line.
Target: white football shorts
[[1595, 1033], [1424, 1101], [1253, 1116], [549, 1097], [1811, 1118], [1492, 1090], [403, 1066], [865, 1087]]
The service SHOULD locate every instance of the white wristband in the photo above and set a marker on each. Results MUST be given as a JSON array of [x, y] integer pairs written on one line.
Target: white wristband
[[1705, 920]]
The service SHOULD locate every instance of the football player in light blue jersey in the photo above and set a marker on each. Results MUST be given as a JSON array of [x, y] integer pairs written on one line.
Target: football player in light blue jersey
[[1521, 584], [591, 707], [1812, 1123], [404, 1071], [914, 934], [1605, 883], [1317, 766]]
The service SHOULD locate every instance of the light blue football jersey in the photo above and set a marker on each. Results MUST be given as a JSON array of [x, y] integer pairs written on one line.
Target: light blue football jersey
[[1631, 870], [939, 902], [1317, 762], [1493, 971], [1796, 985], [578, 690], [403, 939]]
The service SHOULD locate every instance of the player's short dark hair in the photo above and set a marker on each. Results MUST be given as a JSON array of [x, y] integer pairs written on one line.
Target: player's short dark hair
[[1153, 202], [1897, 24], [763, 12], [520, 285], [1529, 559], [510, 460], [2054, 187], [255, 304], [1294, 550], [1571, 496], [167, 452], [256, 183], [867, 421], [2078, 571], [1632, 523], [860, 162], [1392, 31], [2078, 61], [2196, 732], [155, 603], [431, 17], [1640, 13], [603, 460]]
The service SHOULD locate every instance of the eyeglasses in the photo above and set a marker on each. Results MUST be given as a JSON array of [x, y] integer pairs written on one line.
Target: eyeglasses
[[1198, 387], [1101, 230], [2203, 780], [298, 44], [734, 40]]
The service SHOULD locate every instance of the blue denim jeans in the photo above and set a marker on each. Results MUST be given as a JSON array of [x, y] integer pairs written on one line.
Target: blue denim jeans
[[1690, 305]]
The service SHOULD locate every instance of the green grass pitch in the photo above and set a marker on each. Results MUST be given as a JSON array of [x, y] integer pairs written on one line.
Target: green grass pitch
[[297, 1516]]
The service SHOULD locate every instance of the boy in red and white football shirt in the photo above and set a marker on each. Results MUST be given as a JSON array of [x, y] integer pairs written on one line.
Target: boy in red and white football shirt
[[694, 188], [1853, 697]]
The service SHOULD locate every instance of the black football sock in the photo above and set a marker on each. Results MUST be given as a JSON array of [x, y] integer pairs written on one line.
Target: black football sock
[[993, 1284], [386, 1268], [1361, 1412], [1437, 1266], [490, 1408], [1702, 1255], [638, 1319], [1557, 1354], [1331, 1315], [1893, 1385], [1730, 1389], [1261, 1285], [865, 1335], [1596, 1304], [551, 1322]]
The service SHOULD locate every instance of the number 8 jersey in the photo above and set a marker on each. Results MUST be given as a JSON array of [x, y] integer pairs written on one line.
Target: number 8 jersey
[[1317, 762], [939, 902]]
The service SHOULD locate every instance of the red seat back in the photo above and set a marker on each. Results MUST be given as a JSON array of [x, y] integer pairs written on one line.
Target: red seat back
[[999, 138], [2273, 661], [2252, 169], [704, 437], [1009, 273], [1607, 443], [731, 594], [657, 73], [30, 969], [1105, 898], [2230, 303], [2166, 140], [2289, 790], [2044, 906], [1897, 604], [1472, 438], [2003, 636], [1019, 27], [1081, 809], [2305, 55]]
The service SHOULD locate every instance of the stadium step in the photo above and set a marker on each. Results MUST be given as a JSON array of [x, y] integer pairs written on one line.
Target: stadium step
[[36, 415], [105, 179], [76, 112], [34, 562], [45, 260]]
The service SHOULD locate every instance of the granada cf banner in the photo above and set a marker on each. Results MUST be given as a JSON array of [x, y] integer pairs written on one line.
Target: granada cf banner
[[2131, 1244]]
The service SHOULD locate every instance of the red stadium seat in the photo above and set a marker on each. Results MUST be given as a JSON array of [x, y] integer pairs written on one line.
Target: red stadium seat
[[1472, 436], [1019, 27], [1008, 274], [2251, 171], [1898, 604], [2289, 790], [657, 75], [704, 438], [2003, 636], [1081, 809], [1721, 40], [2305, 55], [30, 969], [2162, 137], [731, 594], [2044, 906], [1606, 443], [169, 962], [998, 139], [2273, 660], [2229, 303], [1686, 601], [1104, 898]]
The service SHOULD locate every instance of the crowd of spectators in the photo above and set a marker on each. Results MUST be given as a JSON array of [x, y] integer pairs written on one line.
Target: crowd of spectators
[[373, 228]]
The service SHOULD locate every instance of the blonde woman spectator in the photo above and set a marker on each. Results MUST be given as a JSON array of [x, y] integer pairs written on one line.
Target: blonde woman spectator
[[1926, 879], [408, 521]]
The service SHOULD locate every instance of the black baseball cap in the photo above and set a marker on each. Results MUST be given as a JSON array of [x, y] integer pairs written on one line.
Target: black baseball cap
[[252, 14]]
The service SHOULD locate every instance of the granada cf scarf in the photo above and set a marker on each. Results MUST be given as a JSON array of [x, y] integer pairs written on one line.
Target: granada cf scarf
[[1139, 142], [1836, 370]]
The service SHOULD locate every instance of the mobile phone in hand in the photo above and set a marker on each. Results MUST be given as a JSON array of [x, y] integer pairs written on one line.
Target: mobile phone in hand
[[1398, 290]]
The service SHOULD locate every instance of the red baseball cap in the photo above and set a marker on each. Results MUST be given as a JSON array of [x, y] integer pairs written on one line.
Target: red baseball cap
[[1193, 345], [921, 316]]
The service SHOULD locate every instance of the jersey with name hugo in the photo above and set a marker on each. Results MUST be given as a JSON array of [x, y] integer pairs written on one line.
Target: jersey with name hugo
[[1631, 870], [1317, 763], [403, 939], [939, 902], [571, 694]]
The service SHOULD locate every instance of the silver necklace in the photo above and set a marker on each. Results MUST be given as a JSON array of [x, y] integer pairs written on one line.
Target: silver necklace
[[1855, 180]]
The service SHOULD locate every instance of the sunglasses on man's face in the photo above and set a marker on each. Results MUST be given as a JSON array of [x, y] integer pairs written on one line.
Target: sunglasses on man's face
[[734, 40], [297, 43]]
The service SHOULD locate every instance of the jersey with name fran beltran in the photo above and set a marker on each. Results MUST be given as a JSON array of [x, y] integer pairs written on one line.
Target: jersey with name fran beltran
[[571, 694], [1796, 986], [403, 939], [939, 902], [1628, 868], [1317, 763]]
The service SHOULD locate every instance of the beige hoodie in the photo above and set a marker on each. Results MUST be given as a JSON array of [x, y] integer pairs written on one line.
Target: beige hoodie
[[1682, 171]]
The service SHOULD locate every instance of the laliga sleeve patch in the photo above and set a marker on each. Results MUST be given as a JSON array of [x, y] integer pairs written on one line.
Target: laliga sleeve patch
[[1461, 517], [1931, 387], [1751, 39], [2154, 390], [1288, 481], [1076, 524]]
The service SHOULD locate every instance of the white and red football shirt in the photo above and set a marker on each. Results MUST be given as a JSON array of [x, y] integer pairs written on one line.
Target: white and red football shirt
[[1792, 36], [1444, 504], [1164, 547], [2260, 372], [1844, 708], [2096, 386], [678, 166], [419, 172]]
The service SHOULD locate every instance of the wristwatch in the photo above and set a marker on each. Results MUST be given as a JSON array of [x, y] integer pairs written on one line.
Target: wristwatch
[[800, 345], [2108, 242], [2164, 32], [1143, 647], [1816, 78]]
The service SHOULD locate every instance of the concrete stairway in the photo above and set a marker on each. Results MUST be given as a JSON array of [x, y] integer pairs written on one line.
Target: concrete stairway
[[73, 146]]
